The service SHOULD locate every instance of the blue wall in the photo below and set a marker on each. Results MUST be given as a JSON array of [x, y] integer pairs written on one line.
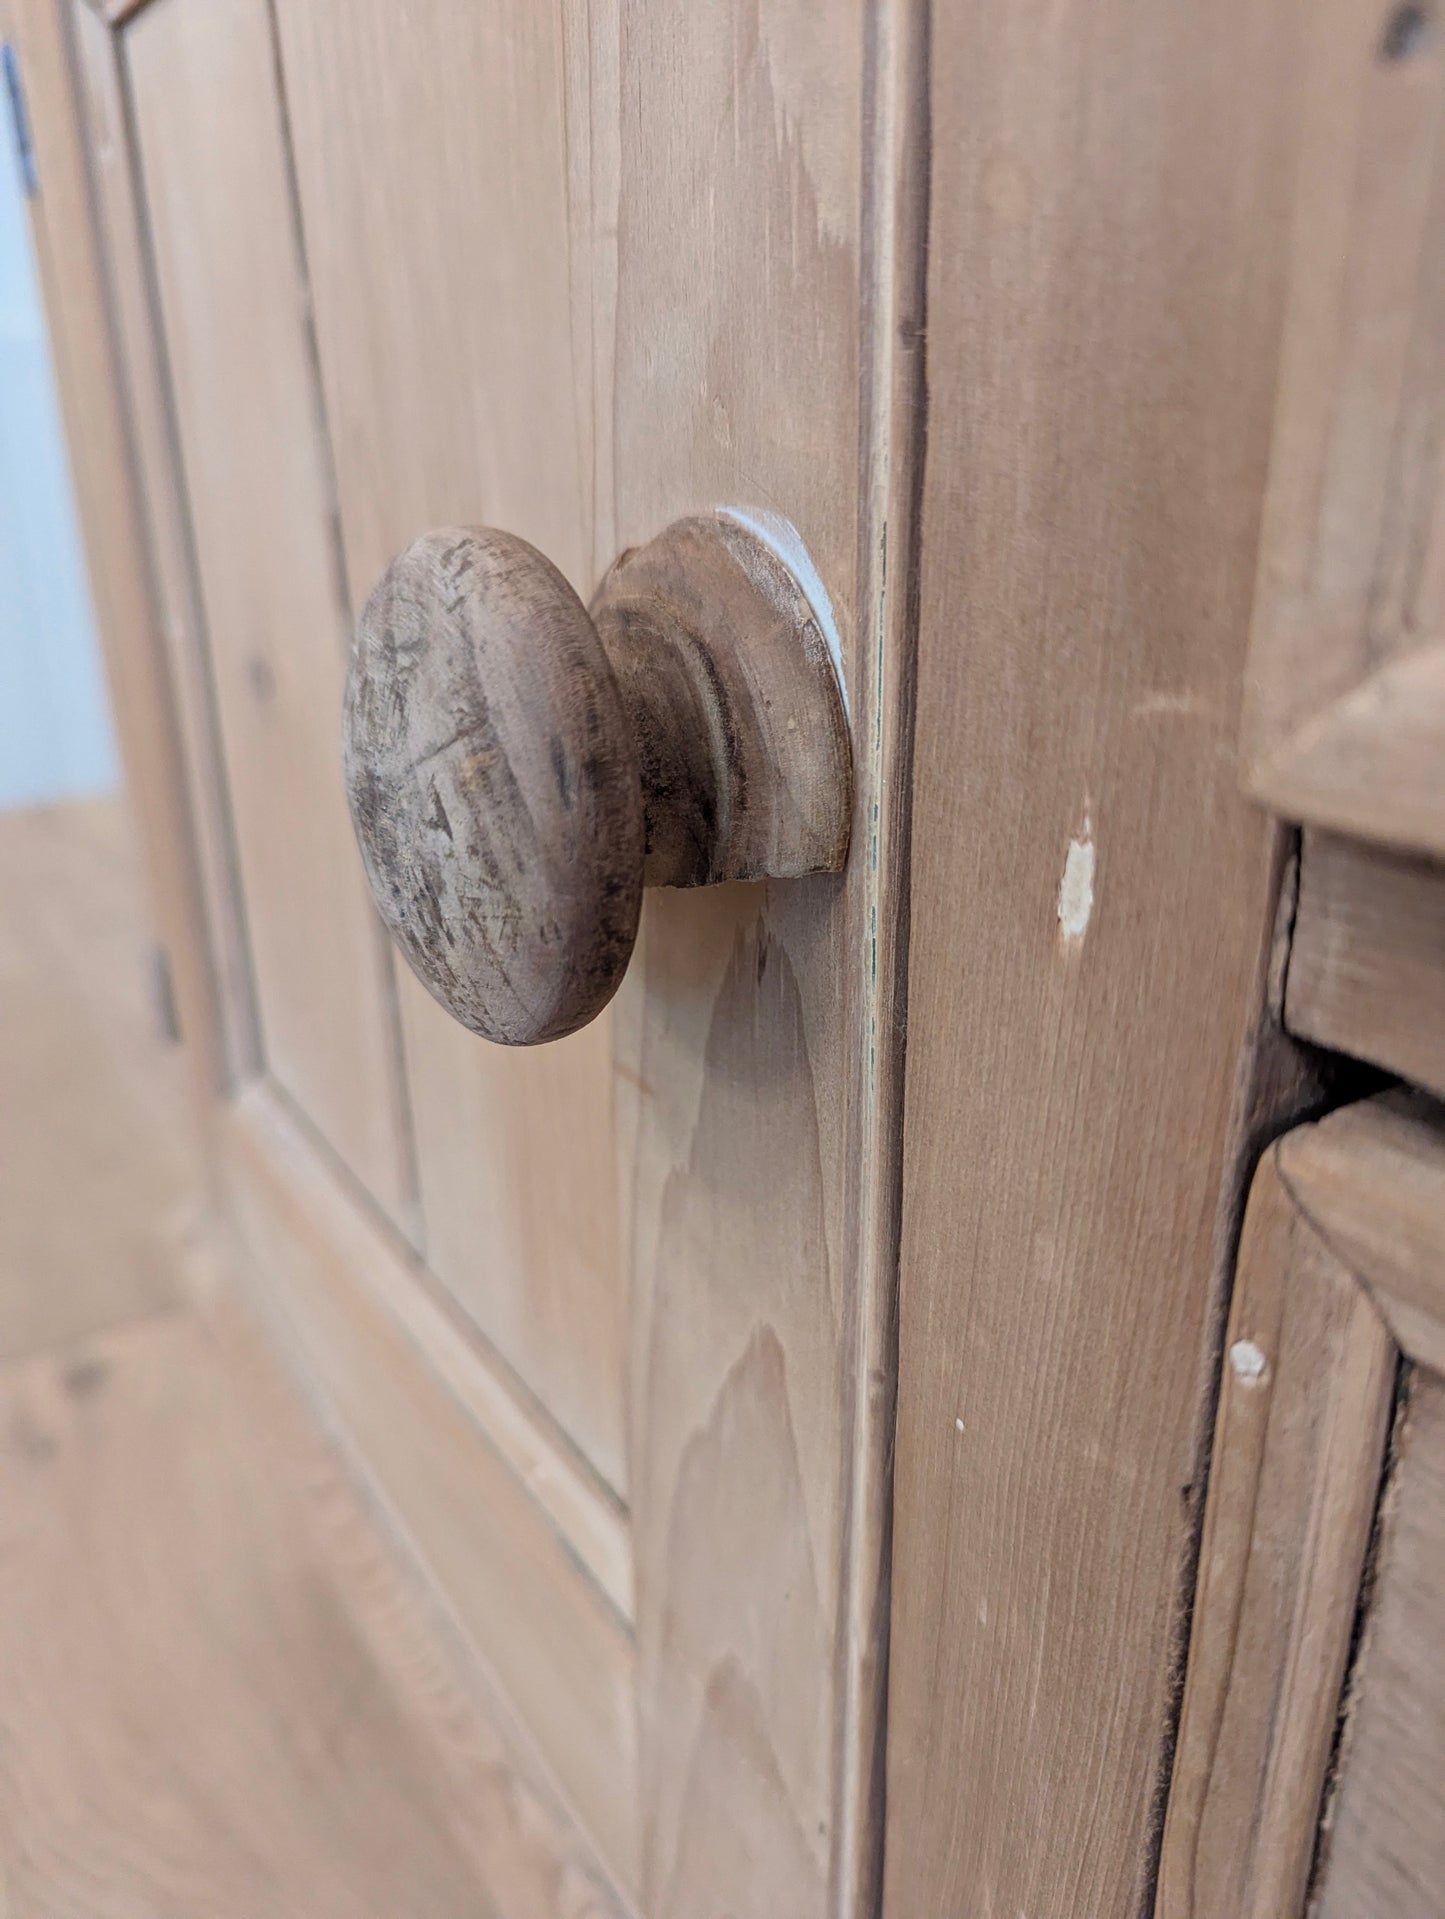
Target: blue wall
[[55, 734]]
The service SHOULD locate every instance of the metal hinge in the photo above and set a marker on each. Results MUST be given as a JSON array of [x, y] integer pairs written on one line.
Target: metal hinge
[[20, 120]]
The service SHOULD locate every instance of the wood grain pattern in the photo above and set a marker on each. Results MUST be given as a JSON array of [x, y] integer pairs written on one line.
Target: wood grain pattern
[[1372, 1180], [196, 1595], [1344, 719], [221, 1693], [739, 250], [390, 1283], [1385, 1852], [555, 1648], [532, 1258], [760, 1017], [738, 1526], [662, 319], [1339, 1270], [72, 267], [212, 166], [741, 266], [1091, 905], [1367, 961], [461, 391], [179, 617], [1307, 1381], [239, 1707], [894, 396]]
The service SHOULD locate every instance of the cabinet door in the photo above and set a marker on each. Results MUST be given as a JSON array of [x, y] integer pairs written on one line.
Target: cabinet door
[[1313, 1731], [245, 551], [605, 1320]]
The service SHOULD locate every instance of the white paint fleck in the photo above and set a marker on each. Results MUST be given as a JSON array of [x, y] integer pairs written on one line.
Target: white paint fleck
[[1248, 1361], [1076, 888], [960, 1425], [787, 542], [1163, 705]]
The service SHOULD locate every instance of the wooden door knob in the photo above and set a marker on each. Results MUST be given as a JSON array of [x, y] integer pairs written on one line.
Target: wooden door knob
[[519, 768]]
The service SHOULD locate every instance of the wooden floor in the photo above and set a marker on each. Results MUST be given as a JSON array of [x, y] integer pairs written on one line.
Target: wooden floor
[[218, 1693]]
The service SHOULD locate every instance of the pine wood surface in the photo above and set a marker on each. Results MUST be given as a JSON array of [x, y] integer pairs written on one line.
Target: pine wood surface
[[1091, 913], [222, 1693], [1367, 961], [1306, 1384], [1344, 715], [253, 459], [1384, 1848]]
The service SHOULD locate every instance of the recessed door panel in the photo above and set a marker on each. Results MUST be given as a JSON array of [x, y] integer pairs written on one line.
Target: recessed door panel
[[448, 236], [232, 311]]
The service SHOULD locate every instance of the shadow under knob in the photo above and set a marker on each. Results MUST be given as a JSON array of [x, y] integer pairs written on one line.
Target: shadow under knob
[[518, 768]]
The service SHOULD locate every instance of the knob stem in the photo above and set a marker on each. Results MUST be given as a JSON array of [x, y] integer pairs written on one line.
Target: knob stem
[[733, 698], [675, 721]]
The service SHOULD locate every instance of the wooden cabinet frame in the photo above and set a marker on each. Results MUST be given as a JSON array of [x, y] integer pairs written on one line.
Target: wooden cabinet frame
[[1077, 592], [441, 1430], [1344, 712], [1339, 1282]]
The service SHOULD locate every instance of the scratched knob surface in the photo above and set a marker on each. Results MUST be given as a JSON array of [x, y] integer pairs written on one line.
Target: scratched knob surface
[[494, 785], [519, 768]]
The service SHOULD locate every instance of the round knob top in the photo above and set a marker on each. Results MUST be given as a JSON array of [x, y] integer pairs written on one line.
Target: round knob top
[[494, 784], [517, 774]]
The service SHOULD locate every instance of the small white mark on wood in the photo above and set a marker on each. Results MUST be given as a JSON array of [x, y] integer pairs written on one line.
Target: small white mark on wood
[[1164, 705], [1248, 1361], [959, 1425], [1076, 888]]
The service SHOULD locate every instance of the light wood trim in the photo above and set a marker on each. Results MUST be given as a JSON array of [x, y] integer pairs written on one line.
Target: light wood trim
[[895, 262], [179, 623], [1091, 904], [233, 318], [1367, 960], [577, 1501], [759, 1064], [1369, 763], [1371, 1179], [555, 1645], [1344, 715], [750, 1261], [459, 392], [1382, 1845], [73, 277], [1307, 1382], [1340, 1268]]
